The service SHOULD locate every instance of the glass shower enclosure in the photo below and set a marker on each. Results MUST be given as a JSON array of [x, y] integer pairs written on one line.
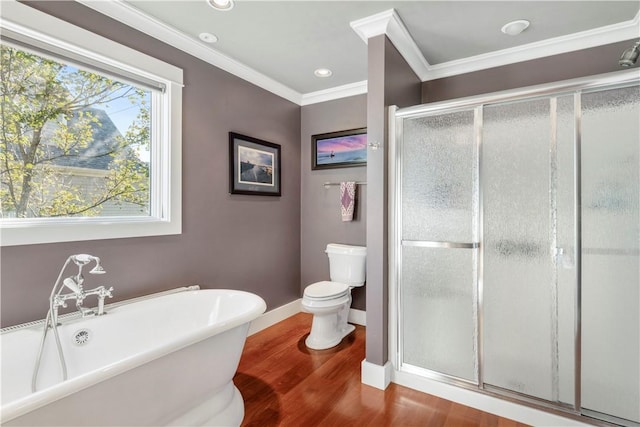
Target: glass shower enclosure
[[517, 244]]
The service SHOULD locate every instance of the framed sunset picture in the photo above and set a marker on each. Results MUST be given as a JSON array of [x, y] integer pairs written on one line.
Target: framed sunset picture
[[339, 149]]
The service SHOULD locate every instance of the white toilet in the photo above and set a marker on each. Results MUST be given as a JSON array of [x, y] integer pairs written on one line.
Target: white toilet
[[329, 302]]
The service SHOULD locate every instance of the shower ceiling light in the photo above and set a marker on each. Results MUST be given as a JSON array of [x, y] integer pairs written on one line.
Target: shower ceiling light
[[323, 72], [208, 37], [514, 28], [223, 5]]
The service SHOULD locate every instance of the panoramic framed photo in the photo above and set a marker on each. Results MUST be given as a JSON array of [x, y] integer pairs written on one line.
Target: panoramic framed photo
[[254, 166], [342, 149]]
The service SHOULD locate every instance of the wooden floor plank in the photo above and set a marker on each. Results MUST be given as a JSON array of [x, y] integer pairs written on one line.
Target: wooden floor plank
[[284, 383]]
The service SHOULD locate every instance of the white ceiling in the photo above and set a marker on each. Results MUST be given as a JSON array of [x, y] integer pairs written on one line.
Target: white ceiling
[[278, 44]]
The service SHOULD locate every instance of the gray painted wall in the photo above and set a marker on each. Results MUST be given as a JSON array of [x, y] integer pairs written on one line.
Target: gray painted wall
[[391, 82], [320, 221], [242, 242]]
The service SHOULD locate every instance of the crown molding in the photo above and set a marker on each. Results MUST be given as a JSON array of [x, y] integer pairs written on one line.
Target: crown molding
[[374, 25], [134, 18], [577, 41], [337, 92], [389, 23]]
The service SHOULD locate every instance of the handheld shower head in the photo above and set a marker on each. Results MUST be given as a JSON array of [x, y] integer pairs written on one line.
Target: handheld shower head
[[71, 284], [630, 56], [97, 269]]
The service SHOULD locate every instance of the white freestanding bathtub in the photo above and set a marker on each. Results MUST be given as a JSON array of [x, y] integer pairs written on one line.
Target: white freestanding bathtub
[[165, 360]]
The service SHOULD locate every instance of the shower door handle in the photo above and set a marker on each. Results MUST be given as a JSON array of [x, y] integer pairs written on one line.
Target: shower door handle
[[562, 259], [440, 244]]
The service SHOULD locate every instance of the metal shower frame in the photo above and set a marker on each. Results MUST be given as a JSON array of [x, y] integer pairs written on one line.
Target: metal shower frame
[[396, 116]]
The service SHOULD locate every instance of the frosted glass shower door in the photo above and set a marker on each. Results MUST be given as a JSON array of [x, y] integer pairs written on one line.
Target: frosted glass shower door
[[438, 256], [522, 317], [516, 245], [610, 252]]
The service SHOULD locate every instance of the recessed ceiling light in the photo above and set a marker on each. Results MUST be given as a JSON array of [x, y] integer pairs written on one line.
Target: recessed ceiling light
[[221, 4], [208, 37], [322, 72], [514, 28]]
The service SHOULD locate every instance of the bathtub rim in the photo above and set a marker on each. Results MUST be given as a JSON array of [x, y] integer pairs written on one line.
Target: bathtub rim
[[33, 401], [75, 315]]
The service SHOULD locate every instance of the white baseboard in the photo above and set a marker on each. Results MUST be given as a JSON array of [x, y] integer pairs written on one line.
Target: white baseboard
[[375, 375], [483, 402], [358, 317], [271, 317], [274, 316]]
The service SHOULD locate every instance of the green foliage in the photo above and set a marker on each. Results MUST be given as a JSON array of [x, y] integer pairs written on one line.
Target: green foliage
[[46, 121]]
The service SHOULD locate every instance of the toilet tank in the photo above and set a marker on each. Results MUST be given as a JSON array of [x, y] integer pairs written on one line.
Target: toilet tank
[[347, 264]]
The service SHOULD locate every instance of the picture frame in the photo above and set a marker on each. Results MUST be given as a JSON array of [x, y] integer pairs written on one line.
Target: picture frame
[[347, 148], [254, 166]]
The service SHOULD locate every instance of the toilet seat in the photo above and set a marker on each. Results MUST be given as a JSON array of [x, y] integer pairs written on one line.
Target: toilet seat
[[325, 290]]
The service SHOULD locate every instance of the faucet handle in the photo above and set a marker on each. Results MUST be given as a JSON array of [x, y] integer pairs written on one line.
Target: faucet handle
[[107, 292], [59, 302], [102, 293]]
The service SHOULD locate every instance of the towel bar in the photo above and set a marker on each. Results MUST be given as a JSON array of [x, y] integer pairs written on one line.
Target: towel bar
[[329, 184]]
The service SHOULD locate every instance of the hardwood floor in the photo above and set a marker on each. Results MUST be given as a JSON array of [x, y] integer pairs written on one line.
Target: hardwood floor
[[285, 384]]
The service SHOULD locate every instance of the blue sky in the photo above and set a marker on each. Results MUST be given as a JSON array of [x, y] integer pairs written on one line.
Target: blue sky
[[121, 112]]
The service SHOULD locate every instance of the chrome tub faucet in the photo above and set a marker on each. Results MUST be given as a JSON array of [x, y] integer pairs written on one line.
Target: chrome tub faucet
[[74, 284], [57, 299], [102, 293]]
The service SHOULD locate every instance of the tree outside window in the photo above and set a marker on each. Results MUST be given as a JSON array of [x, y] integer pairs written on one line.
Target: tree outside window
[[74, 143]]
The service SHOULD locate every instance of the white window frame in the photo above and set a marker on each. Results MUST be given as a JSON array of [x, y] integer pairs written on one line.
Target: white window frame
[[166, 154]]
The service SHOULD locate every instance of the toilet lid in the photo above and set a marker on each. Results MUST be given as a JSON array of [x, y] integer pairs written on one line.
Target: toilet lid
[[325, 290]]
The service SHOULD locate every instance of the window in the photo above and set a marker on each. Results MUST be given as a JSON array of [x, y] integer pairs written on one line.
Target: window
[[90, 135], [74, 143]]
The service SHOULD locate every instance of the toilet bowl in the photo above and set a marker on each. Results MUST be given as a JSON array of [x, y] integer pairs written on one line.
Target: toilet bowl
[[330, 301]]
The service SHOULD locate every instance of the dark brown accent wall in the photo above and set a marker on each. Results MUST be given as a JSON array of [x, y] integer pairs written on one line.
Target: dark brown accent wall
[[555, 68], [229, 241], [391, 82], [321, 222]]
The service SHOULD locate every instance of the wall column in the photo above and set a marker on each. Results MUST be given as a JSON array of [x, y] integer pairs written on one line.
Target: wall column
[[390, 82]]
